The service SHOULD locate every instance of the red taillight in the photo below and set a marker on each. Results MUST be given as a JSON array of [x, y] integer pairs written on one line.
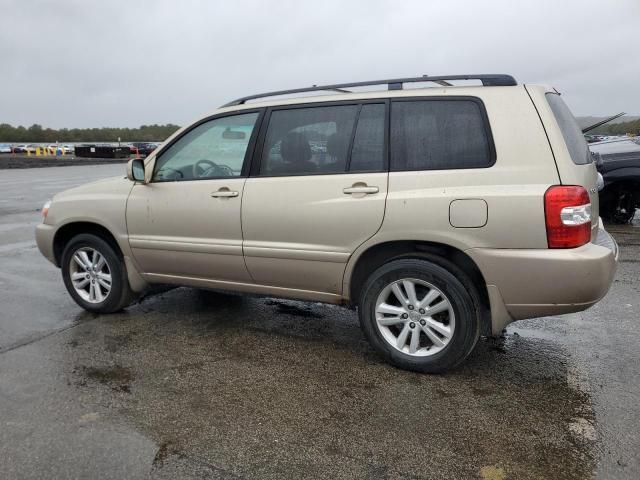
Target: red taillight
[[567, 210]]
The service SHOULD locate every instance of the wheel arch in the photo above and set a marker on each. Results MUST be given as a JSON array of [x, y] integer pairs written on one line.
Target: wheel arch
[[66, 232], [377, 255], [625, 175], [622, 183]]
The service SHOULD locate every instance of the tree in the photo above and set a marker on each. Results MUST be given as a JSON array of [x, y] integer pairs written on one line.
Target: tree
[[36, 134]]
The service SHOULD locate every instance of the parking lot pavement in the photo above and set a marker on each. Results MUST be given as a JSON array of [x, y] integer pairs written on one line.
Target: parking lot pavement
[[32, 296], [193, 384]]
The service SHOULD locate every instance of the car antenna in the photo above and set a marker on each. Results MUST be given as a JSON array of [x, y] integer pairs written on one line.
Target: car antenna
[[607, 120]]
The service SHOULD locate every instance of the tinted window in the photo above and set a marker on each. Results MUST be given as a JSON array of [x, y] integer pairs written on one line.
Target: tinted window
[[214, 149], [306, 141], [368, 144], [573, 137], [438, 134]]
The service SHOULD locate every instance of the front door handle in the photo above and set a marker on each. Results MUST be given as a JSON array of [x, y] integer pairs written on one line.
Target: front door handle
[[224, 192], [362, 188]]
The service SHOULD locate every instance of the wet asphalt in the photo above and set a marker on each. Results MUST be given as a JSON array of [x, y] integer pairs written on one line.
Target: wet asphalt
[[196, 384]]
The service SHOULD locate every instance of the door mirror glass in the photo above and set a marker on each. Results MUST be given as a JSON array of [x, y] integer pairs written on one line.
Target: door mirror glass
[[135, 170]]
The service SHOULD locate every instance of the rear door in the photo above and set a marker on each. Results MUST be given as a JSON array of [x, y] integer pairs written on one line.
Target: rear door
[[317, 192]]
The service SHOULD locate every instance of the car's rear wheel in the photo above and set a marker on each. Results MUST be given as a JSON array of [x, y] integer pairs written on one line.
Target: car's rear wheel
[[95, 275], [419, 315]]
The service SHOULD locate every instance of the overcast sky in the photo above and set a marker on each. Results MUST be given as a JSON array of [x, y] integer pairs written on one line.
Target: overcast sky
[[82, 63]]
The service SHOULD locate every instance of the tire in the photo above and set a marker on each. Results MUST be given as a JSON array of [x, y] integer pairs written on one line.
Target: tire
[[457, 327], [618, 205], [118, 296]]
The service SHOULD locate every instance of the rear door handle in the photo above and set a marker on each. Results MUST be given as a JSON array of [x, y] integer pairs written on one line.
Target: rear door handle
[[224, 192], [361, 189]]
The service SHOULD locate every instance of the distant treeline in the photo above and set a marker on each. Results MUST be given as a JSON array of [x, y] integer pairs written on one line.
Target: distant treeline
[[37, 134], [618, 128]]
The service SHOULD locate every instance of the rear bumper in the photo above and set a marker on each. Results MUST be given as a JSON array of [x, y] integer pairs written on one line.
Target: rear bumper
[[536, 283]]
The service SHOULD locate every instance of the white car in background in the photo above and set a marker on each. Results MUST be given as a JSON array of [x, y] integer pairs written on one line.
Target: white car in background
[[24, 148], [65, 149]]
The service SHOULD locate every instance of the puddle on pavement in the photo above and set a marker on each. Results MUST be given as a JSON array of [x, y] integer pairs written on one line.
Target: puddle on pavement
[[249, 391], [108, 375], [116, 377]]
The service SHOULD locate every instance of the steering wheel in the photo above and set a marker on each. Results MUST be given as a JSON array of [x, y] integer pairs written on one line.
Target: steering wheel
[[206, 168]]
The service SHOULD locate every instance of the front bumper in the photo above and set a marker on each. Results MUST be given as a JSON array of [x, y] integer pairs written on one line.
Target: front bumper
[[44, 240], [536, 283]]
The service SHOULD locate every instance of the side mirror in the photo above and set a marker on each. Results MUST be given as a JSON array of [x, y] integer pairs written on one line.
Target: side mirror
[[135, 170]]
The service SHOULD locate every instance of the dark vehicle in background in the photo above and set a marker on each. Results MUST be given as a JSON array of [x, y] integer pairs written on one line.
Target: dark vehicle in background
[[594, 138], [618, 161], [101, 151], [142, 148]]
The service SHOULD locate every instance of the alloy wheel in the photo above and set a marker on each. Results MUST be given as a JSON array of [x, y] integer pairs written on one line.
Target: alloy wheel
[[90, 275], [415, 317]]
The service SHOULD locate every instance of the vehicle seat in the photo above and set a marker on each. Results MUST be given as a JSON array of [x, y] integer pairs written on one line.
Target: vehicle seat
[[296, 155], [337, 146]]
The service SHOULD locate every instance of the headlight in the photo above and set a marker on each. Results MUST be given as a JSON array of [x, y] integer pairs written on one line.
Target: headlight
[[45, 208]]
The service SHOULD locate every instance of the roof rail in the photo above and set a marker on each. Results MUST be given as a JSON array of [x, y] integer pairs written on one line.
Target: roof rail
[[392, 84]]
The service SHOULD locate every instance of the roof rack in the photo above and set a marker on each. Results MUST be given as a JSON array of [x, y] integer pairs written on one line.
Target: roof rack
[[392, 84]]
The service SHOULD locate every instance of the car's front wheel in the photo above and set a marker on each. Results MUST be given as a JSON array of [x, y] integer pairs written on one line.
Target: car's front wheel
[[95, 275], [419, 315]]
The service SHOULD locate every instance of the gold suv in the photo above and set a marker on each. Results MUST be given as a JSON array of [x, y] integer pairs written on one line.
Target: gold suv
[[442, 213]]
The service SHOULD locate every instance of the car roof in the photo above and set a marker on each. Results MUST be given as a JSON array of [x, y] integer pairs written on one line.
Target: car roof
[[370, 95], [395, 87]]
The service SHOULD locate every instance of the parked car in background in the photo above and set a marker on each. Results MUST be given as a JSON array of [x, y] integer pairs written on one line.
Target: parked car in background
[[594, 138], [31, 148], [441, 214], [22, 148], [142, 148], [5, 148], [53, 149], [619, 163]]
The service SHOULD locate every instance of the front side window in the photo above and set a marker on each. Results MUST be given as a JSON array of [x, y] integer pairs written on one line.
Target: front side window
[[214, 149], [438, 135], [305, 141]]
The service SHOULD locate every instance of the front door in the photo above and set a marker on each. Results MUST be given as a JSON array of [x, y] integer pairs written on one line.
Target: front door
[[185, 223], [318, 193]]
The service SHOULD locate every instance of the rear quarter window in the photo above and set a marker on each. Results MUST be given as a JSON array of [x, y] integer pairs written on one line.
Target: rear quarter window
[[440, 134], [573, 137]]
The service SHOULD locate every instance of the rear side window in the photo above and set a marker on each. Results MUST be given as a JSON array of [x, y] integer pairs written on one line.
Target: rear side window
[[437, 134], [306, 141], [573, 137], [367, 154]]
